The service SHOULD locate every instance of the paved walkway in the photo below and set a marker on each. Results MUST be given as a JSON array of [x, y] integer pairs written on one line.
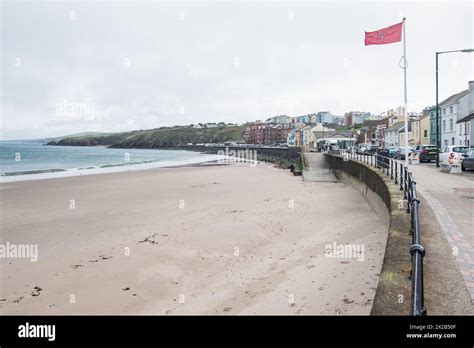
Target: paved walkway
[[451, 196], [318, 169]]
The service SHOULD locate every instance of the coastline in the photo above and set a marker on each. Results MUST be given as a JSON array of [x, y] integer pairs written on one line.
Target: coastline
[[107, 169], [226, 239]]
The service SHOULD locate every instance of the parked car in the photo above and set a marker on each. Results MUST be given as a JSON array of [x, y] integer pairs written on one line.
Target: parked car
[[400, 152], [365, 149], [360, 149], [453, 152], [468, 161], [426, 153], [391, 151], [372, 149]]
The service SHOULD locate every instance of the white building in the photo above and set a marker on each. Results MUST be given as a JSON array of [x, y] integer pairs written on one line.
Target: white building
[[279, 119], [453, 109], [391, 135], [465, 124], [324, 117], [359, 118]]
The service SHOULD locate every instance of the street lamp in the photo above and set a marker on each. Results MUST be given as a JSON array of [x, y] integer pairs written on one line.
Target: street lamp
[[322, 122], [466, 50]]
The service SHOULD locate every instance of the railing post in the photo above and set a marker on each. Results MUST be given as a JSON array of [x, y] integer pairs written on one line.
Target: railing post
[[401, 176], [390, 163], [396, 171], [405, 194], [408, 190]]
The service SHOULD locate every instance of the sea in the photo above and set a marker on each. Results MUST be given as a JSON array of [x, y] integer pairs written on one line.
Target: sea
[[30, 160]]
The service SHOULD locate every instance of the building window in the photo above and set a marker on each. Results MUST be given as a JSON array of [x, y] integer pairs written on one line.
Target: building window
[[451, 125], [425, 133], [444, 125], [452, 141], [460, 129], [446, 142], [444, 111], [468, 128], [451, 110]]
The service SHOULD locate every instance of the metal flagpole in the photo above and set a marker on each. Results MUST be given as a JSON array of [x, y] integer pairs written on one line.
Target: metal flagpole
[[405, 96]]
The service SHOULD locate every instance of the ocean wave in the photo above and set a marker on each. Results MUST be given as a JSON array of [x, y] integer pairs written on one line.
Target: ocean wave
[[27, 172], [127, 163]]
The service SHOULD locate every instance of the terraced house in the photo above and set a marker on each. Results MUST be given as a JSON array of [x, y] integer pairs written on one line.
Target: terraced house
[[453, 109], [466, 123]]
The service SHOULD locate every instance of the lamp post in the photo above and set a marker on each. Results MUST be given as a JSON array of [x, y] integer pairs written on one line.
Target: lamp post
[[322, 122], [466, 50]]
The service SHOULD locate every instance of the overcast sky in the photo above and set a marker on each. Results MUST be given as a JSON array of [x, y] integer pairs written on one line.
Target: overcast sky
[[138, 65]]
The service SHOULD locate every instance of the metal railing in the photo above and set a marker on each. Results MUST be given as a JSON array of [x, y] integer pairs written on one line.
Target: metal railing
[[403, 177]]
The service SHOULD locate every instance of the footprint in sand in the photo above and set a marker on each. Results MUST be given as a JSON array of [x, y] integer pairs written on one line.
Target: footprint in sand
[[101, 257], [148, 240], [18, 299], [36, 291]]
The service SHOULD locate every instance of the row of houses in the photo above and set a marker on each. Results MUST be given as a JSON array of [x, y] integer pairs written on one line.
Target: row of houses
[[386, 130], [304, 130], [455, 124], [298, 134], [266, 133], [319, 117]]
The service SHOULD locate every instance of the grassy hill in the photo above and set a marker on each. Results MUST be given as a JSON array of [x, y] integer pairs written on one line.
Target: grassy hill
[[165, 137]]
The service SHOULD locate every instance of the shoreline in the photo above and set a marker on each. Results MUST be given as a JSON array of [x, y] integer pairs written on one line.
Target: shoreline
[[73, 172]]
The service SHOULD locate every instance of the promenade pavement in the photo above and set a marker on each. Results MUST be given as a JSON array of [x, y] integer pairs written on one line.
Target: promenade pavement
[[451, 197]]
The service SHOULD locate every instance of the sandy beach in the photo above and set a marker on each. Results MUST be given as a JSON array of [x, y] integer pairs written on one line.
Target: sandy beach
[[199, 240]]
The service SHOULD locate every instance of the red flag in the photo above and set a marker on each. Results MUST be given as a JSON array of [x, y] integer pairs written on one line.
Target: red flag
[[384, 36]]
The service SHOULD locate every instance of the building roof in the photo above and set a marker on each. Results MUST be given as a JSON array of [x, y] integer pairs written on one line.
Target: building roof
[[466, 118], [395, 127], [333, 134], [454, 97], [422, 117]]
